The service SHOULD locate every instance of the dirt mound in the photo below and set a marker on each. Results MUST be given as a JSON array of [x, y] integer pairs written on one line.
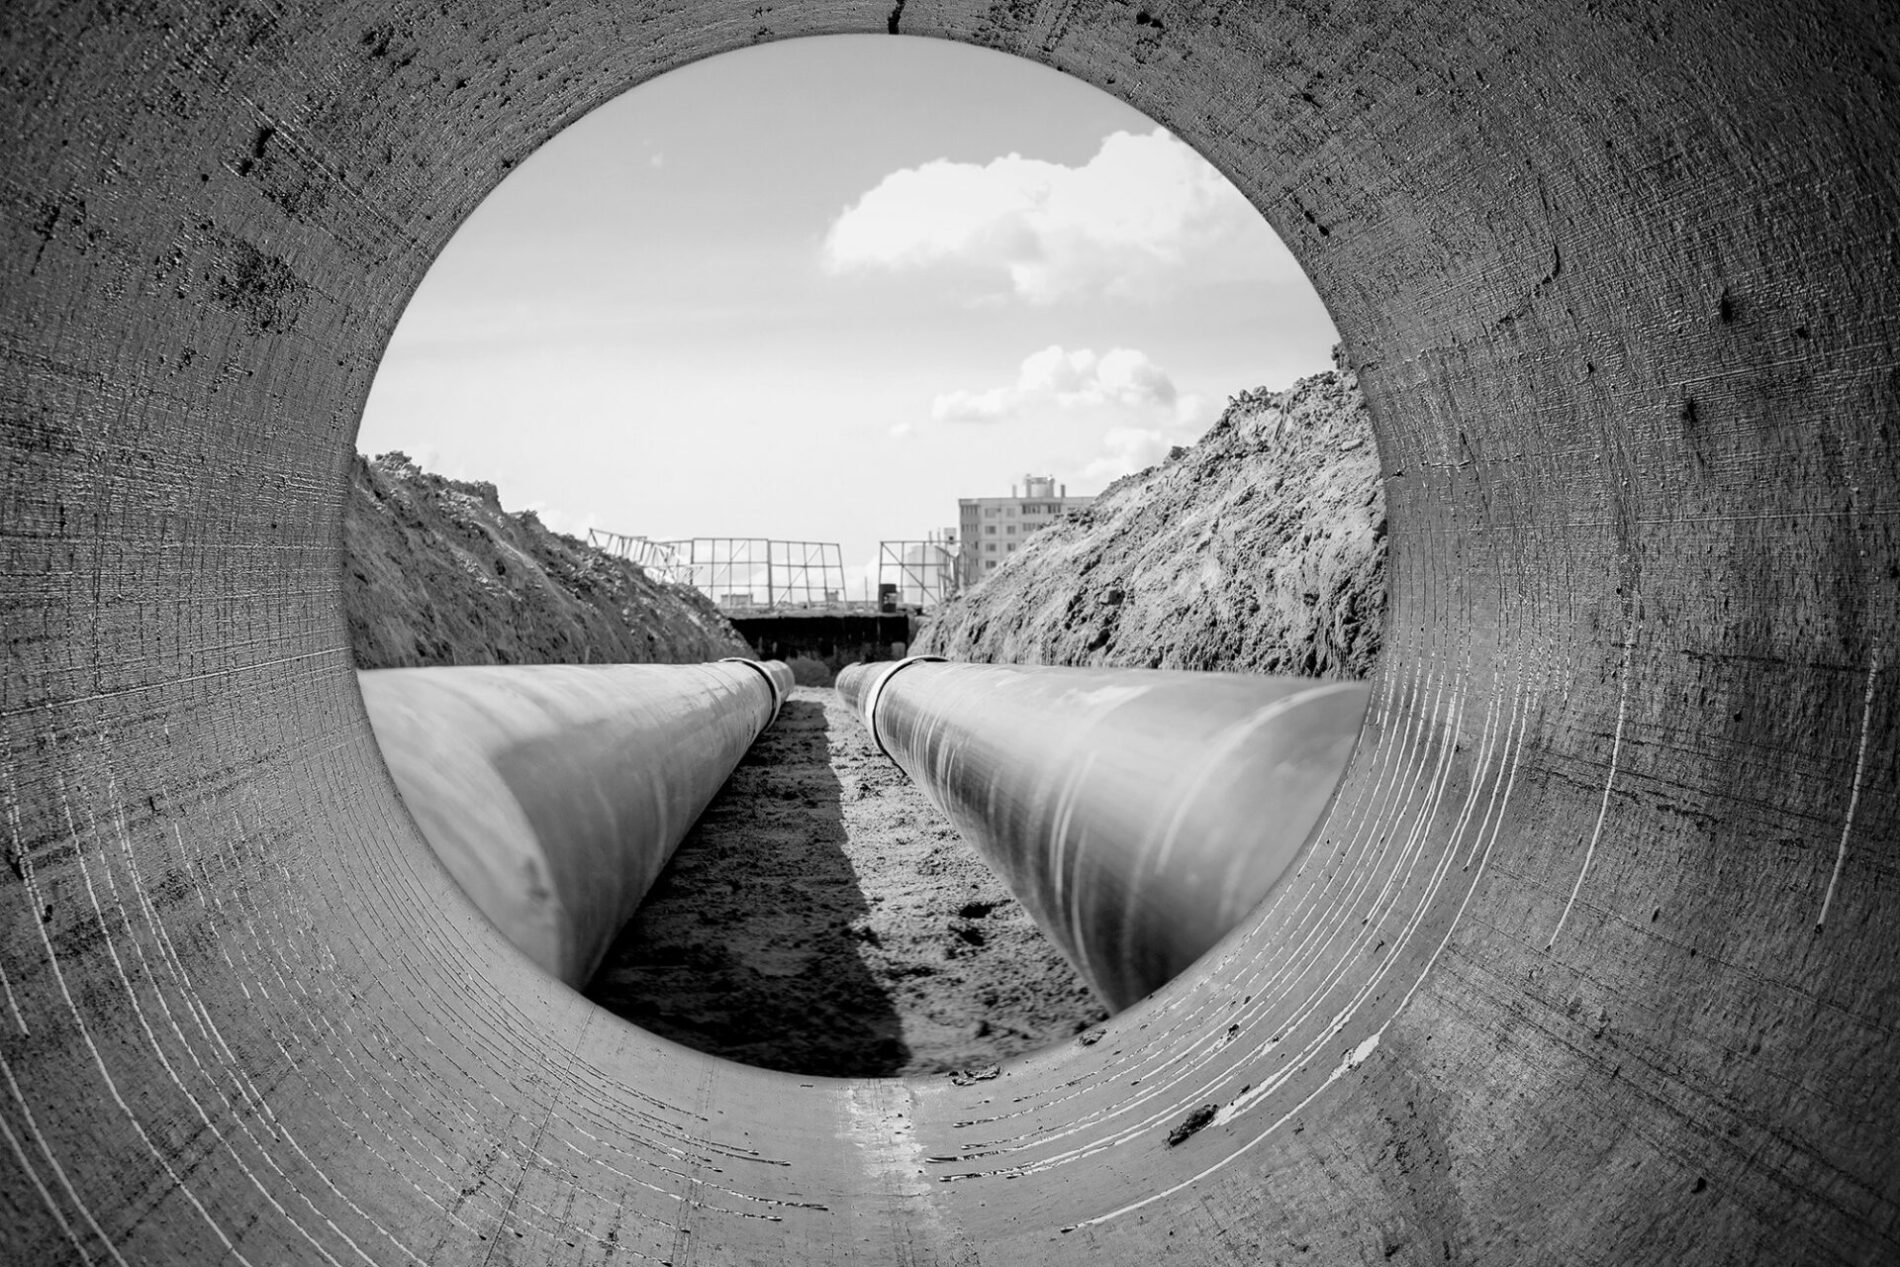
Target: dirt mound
[[436, 572], [1261, 549]]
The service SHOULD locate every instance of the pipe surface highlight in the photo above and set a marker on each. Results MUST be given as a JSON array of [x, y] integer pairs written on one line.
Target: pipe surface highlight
[[1138, 814], [555, 794], [1597, 957]]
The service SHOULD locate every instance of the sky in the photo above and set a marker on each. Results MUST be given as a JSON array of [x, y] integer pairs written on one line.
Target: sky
[[822, 288]]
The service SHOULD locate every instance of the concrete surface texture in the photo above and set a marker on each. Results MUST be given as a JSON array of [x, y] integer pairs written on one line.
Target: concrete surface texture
[[1594, 961]]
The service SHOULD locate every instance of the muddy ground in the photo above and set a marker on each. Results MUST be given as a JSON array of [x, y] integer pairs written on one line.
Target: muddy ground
[[823, 918]]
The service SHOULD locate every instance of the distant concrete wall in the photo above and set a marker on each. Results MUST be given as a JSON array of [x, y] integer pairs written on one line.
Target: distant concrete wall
[[836, 640], [1595, 962]]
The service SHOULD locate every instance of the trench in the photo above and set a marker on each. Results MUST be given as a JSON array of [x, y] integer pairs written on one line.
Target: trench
[[1595, 960], [823, 917]]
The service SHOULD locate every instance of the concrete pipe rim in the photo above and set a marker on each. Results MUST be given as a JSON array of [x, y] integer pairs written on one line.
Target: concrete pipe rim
[[1568, 254]]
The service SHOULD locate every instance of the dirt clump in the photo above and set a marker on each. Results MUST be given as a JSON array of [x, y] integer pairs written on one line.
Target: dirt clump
[[1259, 549], [823, 917], [436, 572]]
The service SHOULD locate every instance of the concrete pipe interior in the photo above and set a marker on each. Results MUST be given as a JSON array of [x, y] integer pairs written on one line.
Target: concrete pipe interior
[[1595, 962]]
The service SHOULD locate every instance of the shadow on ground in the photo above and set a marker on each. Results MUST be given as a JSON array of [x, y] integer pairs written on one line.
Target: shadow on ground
[[747, 946]]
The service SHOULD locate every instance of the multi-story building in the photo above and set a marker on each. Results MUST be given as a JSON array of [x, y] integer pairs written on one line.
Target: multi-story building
[[993, 528]]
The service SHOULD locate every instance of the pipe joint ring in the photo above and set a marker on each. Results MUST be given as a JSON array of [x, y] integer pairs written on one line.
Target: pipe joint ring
[[771, 685], [877, 691]]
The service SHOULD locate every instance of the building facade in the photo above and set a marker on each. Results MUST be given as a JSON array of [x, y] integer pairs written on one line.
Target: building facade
[[993, 528]]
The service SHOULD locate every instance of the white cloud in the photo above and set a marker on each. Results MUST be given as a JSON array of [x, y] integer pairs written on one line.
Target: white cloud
[[963, 406], [1056, 377], [1128, 449], [1131, 219], [1143, 413]]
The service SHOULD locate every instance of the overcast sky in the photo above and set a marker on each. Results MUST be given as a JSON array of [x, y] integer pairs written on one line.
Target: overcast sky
[[822, 288]]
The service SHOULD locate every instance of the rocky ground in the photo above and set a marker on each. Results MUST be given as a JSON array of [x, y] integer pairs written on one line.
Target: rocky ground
[[438, 573], [823, 918], [1259, 549]]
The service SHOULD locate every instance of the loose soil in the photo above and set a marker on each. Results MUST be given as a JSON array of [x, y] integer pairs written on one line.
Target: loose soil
[[1260, 549], [436, 572], [824, 918]]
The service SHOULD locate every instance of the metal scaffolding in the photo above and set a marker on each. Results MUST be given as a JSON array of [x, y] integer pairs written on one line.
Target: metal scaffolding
[[753, 572], [924, 572], [658, 559]]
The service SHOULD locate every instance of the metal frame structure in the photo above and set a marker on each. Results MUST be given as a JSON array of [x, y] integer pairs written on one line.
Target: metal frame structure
[[753, 572], [658, 559], [925, 572]]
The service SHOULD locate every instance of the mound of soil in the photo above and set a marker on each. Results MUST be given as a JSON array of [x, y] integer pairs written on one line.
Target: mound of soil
[[436, 572], [1259, 549], [823, 918]]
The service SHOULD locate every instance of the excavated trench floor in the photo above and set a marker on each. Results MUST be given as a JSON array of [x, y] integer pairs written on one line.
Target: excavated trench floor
[[822, 917]]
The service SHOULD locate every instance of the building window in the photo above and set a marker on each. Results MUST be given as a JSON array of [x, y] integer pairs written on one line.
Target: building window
[[1012, 547], [988, 564], [989, 547], [989, 530], [1011, 530]]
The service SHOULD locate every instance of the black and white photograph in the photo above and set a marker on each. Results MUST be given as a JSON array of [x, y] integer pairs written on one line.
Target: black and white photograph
[[949, 633]]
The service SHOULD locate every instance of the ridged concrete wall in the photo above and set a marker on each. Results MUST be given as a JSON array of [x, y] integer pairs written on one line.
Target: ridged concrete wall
[[1596, 962]]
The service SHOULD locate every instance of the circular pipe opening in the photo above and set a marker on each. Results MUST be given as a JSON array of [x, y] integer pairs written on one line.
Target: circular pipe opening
[[1109, 234], [1621, 984]]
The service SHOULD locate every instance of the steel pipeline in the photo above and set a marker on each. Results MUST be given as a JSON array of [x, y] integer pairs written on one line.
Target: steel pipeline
[[554, 794], [1139, 814]]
